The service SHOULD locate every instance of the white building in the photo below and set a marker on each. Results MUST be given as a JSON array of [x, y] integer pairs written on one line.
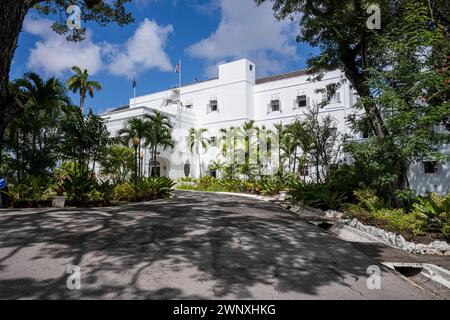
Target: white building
[[237, 96]]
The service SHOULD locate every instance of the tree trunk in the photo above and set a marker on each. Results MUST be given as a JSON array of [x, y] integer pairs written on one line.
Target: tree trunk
[[140, 161], [295, 160], [12, 14], [155, 150], [82, 98]]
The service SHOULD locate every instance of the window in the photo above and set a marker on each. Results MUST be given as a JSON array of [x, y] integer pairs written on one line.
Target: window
[[213, 141], [333, 132], [447, 124], [251, 67], [429, 167], [213, 105], [213, 173], [275, 105], [336, 98], [187, 169], [304, 171], [365, 134], [302, 101], [189, 106]]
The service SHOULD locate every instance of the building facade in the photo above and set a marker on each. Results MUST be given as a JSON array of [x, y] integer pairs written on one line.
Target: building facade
[[237, 96]]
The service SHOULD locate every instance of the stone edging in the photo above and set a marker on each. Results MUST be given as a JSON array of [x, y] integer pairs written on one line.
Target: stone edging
[[398, 241], [391, 238]]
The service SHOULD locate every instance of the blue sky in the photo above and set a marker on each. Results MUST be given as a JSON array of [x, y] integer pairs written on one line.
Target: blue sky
[[202, 33]]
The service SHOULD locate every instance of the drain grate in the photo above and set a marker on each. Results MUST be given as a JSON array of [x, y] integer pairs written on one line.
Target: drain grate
[[408, 271]]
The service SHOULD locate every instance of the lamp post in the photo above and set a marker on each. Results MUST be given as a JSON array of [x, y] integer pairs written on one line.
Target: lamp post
[[135, 142], [141, 156]]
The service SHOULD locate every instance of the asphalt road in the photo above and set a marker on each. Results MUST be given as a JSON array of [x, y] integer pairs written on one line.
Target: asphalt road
[[194, 246]]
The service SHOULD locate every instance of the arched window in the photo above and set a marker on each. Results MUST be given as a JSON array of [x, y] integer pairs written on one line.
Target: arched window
[[157, 172], [187, 169]]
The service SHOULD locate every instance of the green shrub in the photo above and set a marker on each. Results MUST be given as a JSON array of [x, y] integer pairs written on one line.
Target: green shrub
[[33, 193], [152, 188], [436, 209], [187, 179], [123, 192], [395, 220], [368, 199]]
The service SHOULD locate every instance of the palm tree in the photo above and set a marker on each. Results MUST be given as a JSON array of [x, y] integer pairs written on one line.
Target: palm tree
[[35, 132], [304, 141], [118, 163], [216, 165], [280, 132], [288, 145], [80, 82], [197, 140], [248, 130], [224, 142], [234, 136], [159, 134], [135, 128]]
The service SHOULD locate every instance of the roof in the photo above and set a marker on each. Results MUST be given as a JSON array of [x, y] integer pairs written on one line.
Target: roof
[[293, 74], [282, 76], [120, 108]]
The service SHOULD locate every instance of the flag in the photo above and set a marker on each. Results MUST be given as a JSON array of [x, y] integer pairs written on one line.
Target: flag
[[177, 67], [134, 81]]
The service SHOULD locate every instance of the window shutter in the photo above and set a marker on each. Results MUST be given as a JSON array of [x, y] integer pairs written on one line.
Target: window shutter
[[279, 106], [308, 101], [338, 97], [295, 103], [269, 107], [208, 109]]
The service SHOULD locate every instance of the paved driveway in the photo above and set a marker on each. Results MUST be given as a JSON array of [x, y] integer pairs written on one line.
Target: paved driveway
[[196, 245]]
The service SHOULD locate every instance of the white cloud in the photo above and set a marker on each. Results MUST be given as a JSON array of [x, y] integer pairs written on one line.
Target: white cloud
[[54, 54], [143, 51], [248, 31]]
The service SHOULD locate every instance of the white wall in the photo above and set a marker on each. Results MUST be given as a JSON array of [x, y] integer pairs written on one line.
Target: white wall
[[240, 100]]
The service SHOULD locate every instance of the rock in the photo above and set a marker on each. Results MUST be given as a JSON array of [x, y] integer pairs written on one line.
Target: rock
[[440, 246], [360, 226], [379, 233], [420, 248], [400, 242], [332, 214], [353, 222], [410, 246], [391, 238]]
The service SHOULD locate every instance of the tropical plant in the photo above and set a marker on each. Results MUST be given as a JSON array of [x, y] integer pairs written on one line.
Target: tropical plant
[[158, 135], [123, 192], [399, 72], [79, 82], [13, 15], [152, 188], [198, 141], [31, 193], [32, 137], [436, 209], [135, 128], [117, 164]]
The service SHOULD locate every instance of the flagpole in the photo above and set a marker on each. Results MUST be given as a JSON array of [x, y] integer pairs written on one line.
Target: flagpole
[[179, 73], [134, 89]]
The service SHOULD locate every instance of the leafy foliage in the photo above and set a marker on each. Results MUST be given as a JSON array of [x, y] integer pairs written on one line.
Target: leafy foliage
[[152, 188]]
